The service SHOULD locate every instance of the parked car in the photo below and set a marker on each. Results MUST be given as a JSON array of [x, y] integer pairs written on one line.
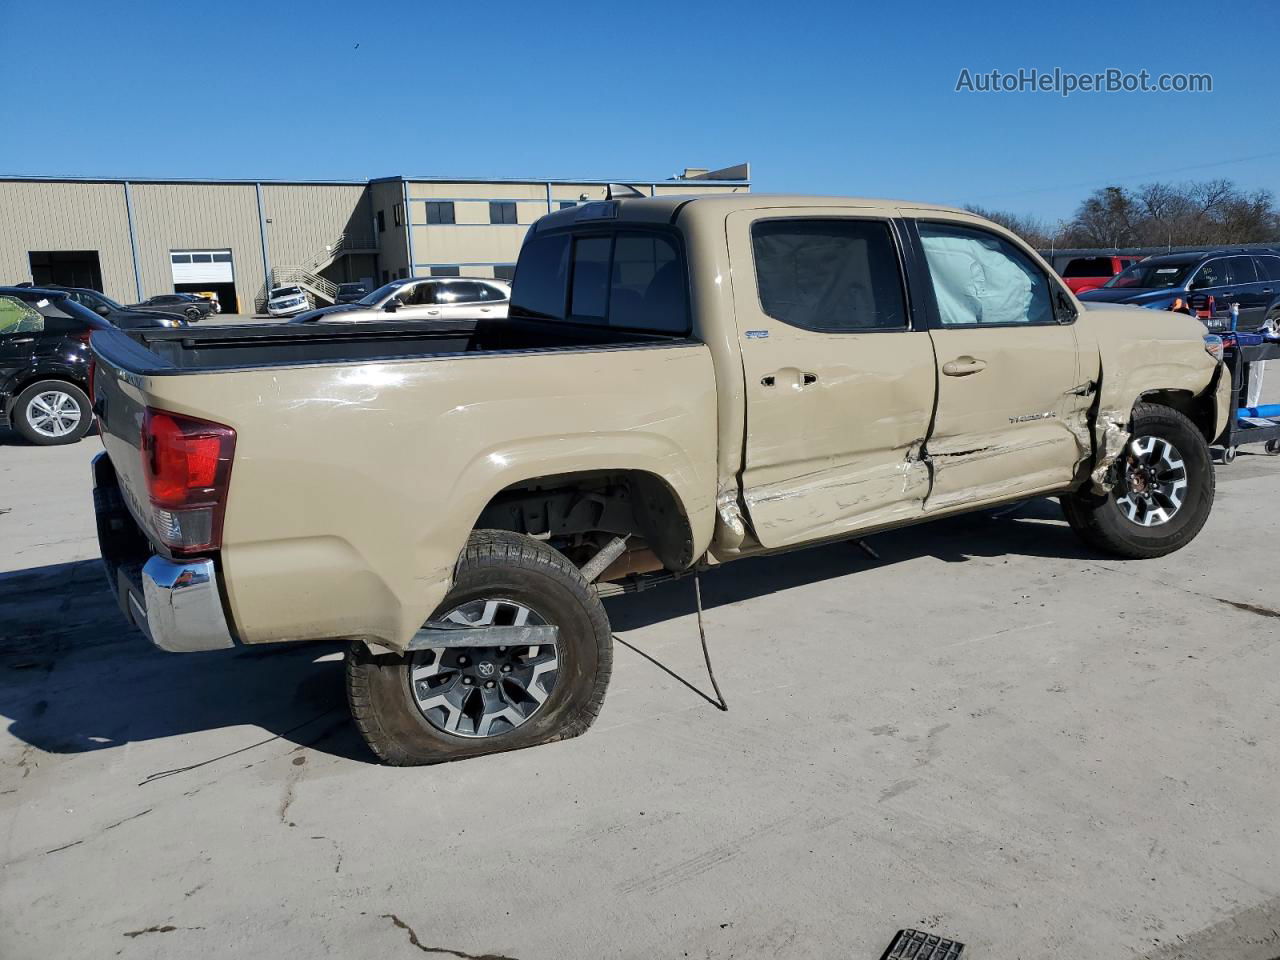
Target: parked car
[[287, 301], [350, 292], [1185, 282], [1089, 273], [190, 306], [681, 382], [44, 364], [422, 298], [118, 315]]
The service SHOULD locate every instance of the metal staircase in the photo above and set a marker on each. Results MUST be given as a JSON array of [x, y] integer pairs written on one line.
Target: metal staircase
[[307, 273]]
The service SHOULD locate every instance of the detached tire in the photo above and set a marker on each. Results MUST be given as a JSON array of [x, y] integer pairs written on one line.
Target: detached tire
[[451, 703], [1162, 492], [52, 412]]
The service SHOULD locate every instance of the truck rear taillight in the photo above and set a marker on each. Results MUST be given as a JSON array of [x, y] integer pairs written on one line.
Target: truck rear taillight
[[187, 463]]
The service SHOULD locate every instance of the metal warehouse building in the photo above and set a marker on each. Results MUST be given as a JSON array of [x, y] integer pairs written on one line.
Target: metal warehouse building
[[134, 239]]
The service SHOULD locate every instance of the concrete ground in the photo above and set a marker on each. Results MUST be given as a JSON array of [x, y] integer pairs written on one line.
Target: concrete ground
[[988, 733]]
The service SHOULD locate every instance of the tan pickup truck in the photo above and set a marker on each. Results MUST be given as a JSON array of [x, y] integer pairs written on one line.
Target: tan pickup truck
[[681, 382]]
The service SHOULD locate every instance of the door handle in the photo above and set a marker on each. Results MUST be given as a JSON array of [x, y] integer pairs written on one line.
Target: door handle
[[1266, 289], [790, 376], [485, 309], [433, 313], [963, 366], [22, 340]]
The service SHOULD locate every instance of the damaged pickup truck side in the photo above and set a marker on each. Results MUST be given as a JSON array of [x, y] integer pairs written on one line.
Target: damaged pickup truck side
[[681, 382]]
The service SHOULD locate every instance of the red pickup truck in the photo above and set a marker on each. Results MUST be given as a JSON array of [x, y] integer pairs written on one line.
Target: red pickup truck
[[1089, 273]]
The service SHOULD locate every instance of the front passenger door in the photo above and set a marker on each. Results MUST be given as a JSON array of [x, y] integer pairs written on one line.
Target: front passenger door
[[1011, 404], [419, 302]]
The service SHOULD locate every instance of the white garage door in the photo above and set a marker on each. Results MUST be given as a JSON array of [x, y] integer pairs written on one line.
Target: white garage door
[[202, 266]]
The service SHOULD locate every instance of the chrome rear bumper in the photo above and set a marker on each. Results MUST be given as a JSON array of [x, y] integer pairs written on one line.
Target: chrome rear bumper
[[177, 605]]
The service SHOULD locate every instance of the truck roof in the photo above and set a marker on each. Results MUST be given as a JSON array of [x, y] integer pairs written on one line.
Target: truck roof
[[664, 209]]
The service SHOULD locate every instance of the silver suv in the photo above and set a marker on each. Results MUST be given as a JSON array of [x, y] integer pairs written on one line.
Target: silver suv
[[422, 298]]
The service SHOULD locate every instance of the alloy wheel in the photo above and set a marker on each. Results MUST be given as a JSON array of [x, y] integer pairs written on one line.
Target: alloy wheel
[[53, 414], [484, 691], [1153, 481]]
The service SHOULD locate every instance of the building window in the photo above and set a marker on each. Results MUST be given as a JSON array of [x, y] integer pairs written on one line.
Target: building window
[[446, 271], [566, 204], [502, 211], [397, 214], [382, 222], [440, 211], [404, 273], [386, 277], [504, 271]]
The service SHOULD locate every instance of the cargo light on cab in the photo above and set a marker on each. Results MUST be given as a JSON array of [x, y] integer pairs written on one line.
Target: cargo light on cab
[[187, 464]]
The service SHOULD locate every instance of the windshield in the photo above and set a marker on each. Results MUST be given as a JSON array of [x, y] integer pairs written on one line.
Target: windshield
[[1149, 275], [384, 291], [285, 292]]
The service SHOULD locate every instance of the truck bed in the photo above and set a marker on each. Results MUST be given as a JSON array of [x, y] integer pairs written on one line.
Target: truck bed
[[170, 351]]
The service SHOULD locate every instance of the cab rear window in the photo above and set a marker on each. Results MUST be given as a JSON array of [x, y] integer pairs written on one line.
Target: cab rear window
[[632, 280]]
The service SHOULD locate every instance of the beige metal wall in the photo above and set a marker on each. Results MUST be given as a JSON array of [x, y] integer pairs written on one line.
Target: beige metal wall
[[66, 216], [393, 253], [475, 245], [197, 216], [304, 218]]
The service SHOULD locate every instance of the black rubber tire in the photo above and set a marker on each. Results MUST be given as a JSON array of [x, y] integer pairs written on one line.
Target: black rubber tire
[[494, 563], [1272, 448], [29, 433], [1101, 524], [193, 315]]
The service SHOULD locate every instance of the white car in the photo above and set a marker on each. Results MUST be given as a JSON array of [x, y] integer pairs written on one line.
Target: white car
[[423, 298], [287, 301]]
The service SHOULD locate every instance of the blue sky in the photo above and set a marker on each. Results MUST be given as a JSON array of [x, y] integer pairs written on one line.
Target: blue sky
[[843, 98]]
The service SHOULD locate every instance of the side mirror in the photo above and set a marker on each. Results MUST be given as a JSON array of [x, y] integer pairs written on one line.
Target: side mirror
[[392, 305]]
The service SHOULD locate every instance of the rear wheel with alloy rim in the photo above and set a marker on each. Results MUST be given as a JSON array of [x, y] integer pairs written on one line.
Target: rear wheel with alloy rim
[[52, 412], [484, 691], [1162, 489], [457, 701]]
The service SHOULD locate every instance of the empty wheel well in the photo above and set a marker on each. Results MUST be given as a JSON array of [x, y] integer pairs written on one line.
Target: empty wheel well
[[579, 512], [1199, 410]]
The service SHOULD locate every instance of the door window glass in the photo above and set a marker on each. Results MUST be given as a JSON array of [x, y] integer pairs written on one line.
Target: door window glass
[[981, 279], [1242, 270], [1268, 268], [466, 291], [1212, 274], [19, 317], [840, 276]]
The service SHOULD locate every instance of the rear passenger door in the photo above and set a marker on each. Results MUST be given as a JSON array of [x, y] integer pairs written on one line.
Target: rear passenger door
[[1247, 287], [465, 300], [839, 381], [1010, 400], [1269, 281]]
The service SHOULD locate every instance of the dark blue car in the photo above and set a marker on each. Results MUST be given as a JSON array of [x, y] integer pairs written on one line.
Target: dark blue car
[[1186, 281]]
